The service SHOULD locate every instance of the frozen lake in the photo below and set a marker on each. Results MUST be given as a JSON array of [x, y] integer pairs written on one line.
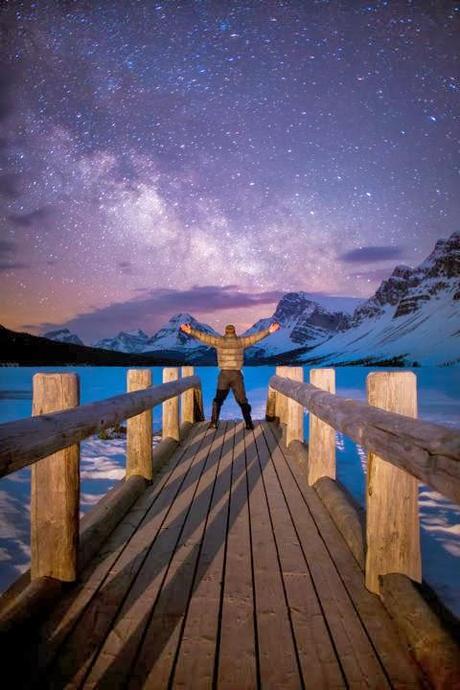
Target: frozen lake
[[103, 461]]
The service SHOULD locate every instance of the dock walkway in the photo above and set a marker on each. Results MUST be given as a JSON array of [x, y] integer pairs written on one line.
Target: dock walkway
[[227, 573]]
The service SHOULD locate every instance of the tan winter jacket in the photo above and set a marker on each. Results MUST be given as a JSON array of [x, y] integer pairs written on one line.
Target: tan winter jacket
[[230, 348]]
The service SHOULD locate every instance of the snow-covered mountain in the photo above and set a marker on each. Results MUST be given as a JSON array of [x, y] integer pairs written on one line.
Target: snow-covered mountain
[[126, 341], [170, 337], [63, 335], [414, 316], [304, 322]]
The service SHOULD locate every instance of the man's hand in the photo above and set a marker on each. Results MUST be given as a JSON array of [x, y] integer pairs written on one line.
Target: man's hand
[[186, 327], [274, 327]]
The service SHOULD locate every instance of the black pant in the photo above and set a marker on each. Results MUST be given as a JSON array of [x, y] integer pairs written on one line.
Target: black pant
[[230, 378]]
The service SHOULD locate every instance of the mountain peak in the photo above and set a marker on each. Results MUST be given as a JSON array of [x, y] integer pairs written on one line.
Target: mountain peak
[[63, 335]]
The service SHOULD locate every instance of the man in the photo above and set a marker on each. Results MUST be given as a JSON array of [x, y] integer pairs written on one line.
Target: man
[[230, 349]]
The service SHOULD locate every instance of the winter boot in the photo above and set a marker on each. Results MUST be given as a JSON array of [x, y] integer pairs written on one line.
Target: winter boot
[[246, 410], [214, 415]]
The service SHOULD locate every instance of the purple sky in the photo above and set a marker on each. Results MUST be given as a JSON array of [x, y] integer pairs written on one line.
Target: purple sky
[[209, 156]]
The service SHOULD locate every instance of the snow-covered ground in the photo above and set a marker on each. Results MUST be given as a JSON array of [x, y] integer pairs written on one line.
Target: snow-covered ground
[[102, 461]]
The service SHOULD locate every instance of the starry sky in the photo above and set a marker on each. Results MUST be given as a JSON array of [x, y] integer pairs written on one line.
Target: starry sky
[[209, 156]]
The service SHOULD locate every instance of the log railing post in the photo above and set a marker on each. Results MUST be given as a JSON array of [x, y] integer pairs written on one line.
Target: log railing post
[[139, 430], [392, 520], [171, 407], [281, 400], [270, 410], [187, 405], [55, 488], [321, 439], [294, 416]]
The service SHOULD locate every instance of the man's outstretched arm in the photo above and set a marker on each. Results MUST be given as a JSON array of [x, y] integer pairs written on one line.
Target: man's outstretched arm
[[205, 338], [249, 340]]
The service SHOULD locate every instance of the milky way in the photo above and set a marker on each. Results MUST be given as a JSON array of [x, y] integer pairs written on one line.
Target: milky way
[[209, 156]]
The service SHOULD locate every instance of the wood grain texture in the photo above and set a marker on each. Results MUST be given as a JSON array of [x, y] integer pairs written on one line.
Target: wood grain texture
[[319, 667], [270, 409], [55, 488], [280, 399], [196, 654], [274, 630], [170, 423], [359, 661], [139, 430], [392, 519], [27, 440], [429, 451], [435, 650], [187, 400], [295, 413], [348, 520], [321, 439], [393, 656], [237, 663]]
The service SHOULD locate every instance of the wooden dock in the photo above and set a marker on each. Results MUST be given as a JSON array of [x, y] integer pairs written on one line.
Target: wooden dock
[[227, 572]]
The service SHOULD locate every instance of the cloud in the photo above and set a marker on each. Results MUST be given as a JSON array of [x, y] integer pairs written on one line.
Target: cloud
[[7, 252], [372, 254], [150, 310], [27, 219], [7, 247], [6, 266], [376, 274], [10, 185]]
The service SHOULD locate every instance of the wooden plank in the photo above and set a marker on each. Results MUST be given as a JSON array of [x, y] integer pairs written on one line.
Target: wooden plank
[[278, 663], [354, 650], [392, 653], [140, 633], [319, 665], [428, 451], [139, 430], [392, 520], [237, 662], [103, 616], [321, 437], [195, 658], [27, 440], [55, 488]]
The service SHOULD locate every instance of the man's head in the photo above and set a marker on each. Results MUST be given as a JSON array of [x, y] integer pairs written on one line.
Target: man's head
[[230, 329]]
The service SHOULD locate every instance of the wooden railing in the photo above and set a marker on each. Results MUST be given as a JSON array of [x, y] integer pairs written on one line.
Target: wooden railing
[[401, 450], [52, 435]]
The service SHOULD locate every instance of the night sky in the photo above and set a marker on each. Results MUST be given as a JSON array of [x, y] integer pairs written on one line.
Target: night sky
[[208, 156]]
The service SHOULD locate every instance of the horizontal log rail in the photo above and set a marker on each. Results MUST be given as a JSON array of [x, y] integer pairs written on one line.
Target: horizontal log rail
[[428, 451], [25, 441]]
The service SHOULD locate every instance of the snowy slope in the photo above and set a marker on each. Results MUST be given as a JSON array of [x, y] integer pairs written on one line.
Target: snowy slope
[[126, 341], [63, 335], [413, 316]]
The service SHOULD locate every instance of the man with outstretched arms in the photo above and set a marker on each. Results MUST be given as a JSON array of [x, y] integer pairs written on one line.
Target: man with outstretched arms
[[230, 354]]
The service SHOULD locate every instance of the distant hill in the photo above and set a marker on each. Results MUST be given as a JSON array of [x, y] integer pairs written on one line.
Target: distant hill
[[31, 350]]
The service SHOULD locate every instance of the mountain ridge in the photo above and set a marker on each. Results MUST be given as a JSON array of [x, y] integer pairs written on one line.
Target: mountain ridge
[[413, 317]]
